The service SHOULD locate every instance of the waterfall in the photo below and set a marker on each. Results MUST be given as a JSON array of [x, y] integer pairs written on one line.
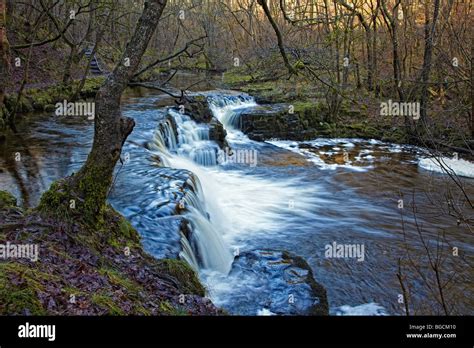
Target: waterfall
[[221, 205], [225, 108], [192, 139], [182, 143]]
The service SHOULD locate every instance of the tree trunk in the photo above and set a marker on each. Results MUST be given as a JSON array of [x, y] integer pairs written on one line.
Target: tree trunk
[[396, 63], [90, 186], [376, 85], [281, 46], [472, 89], [4, 55], [69, 64], [425, 72]]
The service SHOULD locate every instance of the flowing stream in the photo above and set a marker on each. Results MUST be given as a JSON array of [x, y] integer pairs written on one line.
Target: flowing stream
[[295, 196]]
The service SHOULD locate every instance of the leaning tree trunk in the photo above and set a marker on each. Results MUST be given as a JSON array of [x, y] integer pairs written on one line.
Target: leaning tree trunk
[[281, 45], [90, 186]]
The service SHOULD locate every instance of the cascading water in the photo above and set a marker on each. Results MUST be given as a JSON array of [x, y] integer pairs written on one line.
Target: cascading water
[[204, 248], [288, 201], [218, 207], [192, 140], [225, 108]]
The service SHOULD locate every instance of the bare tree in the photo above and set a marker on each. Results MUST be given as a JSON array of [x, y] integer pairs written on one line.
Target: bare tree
[[90, 186], [281, 45], [430, 28]]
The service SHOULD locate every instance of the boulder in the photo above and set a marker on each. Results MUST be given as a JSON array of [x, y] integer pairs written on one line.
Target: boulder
[[285, 282], [217, 133], [197, 107], [283, 121]]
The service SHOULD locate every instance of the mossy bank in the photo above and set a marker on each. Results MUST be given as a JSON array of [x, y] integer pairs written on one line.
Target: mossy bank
[[38, 99], [106, 274], [307, 111]]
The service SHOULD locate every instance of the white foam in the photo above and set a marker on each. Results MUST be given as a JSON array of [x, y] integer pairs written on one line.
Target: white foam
[[446, 165], [371, 308], [239, 203], [265, 312], [315, 159]]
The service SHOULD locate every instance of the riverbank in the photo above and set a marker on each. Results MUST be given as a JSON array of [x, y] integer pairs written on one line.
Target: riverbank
[[53, 270], [305, 114], [43, 97]]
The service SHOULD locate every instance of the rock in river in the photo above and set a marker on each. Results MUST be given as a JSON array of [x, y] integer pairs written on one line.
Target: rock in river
[[286, 285]]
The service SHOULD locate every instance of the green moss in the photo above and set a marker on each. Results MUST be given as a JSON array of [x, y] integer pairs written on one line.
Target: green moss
[[127, 230], [7, 199], [363, 130], [101, 224], [16, 299], [167, 308], [61, 202], [44, 99], [305, 106], [395, 135], [56, 201], [299, 65], [257, 87], [106, 302], [234, 78], [118, 231], [186, 276], [92, 85], [121, 280]]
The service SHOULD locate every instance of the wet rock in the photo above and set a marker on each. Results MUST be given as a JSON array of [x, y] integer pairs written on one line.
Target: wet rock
[[197, 107], [283, 121], [217, 133], [285, 283]]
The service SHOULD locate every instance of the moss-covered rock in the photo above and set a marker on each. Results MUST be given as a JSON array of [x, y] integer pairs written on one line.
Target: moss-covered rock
[[233, 78], [44, 99], [295, 121]]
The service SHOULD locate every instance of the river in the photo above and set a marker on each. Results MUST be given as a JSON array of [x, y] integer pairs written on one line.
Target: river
[[304, 197]]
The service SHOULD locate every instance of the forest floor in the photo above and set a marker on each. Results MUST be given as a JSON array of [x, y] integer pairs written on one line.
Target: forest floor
[[53, 269]]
